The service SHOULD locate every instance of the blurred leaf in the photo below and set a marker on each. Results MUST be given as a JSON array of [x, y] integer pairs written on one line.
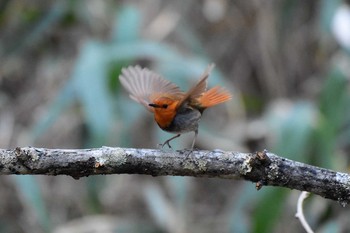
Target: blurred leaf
[[333, 97], [30, 14], [127, 25], [286, 14], [126, 29], [291, 125], [333, 106], [296, 132], [30, 190], [179, 187], [114, 71], [141, 49], [95, 185], [330, 227], [268, 209], [162, 209], [253, 103], [239, 216], [91, 88], [69, 18]]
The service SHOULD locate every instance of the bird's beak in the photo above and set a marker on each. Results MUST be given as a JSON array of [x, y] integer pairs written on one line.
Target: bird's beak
[[154, 105]]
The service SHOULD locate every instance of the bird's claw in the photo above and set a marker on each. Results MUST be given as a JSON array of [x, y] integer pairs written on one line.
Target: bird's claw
[[161, 145], [188, 152]]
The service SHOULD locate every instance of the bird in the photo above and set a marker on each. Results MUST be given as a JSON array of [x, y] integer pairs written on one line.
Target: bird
[[174, 111]]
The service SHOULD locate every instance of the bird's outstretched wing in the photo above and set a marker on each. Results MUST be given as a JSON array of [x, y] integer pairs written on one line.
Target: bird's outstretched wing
[[201, 97], [145, 85], [197, 90]]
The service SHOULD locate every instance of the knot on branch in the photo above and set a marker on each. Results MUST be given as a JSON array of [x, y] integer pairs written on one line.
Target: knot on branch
[[25, 159], [260, 164]]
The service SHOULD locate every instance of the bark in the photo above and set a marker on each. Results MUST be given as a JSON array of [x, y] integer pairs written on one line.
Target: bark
[[263, 168]]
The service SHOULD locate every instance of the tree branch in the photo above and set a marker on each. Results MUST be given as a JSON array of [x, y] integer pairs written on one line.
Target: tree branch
[[261, 167]]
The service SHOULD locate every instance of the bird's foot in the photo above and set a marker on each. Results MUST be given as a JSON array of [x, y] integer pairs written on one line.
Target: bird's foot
[[189, 152], [167, 141], [161, 145]]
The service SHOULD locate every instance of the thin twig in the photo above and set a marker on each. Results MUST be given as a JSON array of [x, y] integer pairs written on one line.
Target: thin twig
[[300, 212], [261, 167]]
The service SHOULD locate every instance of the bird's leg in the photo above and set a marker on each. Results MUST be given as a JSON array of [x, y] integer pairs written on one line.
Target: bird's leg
[[167, 141], [194, 138], [193, 142]]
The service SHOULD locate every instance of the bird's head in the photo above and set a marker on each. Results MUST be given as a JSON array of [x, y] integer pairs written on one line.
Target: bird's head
[[164, 110]]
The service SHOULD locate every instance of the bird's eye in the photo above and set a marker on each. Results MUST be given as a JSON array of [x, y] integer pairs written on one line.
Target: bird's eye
[[164, 106]]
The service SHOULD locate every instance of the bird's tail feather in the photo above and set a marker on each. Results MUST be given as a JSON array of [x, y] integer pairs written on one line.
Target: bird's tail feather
[[214, 96]]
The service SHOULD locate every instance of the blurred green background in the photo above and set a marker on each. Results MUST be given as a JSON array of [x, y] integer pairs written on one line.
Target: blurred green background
[[286, 62]]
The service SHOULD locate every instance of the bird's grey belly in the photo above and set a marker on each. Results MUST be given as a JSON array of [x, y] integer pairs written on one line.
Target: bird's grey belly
[[185, 121]]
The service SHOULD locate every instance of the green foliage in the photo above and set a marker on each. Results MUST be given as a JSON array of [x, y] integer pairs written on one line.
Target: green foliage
[[269, 209], [334, 104], [30, 189]]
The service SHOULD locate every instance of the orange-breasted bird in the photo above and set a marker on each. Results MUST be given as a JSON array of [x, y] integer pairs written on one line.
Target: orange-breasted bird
[[174, 111]]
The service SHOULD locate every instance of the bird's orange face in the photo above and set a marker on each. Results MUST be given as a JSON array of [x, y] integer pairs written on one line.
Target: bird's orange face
[[164, 110]]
